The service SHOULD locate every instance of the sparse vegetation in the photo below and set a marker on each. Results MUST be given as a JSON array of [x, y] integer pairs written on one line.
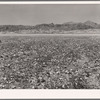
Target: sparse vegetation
[[49, 62]]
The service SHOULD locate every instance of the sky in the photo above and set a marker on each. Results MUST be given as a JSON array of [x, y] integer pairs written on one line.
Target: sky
[[32, 14]]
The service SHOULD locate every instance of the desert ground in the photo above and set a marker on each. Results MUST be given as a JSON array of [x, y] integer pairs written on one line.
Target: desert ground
[[49, 61]]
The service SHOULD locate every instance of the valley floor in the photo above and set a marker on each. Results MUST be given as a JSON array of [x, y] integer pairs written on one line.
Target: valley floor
[[49, 61]]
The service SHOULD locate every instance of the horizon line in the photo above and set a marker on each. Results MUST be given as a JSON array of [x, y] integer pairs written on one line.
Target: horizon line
[[48, 23]]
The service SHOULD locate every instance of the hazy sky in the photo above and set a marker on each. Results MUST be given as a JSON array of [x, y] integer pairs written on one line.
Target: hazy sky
[[43, 13]]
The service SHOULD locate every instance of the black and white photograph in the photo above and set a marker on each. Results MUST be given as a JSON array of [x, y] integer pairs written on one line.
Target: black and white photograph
[[49, 46]]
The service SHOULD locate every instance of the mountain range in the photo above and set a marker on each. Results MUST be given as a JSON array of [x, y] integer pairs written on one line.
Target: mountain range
[[68, 26]]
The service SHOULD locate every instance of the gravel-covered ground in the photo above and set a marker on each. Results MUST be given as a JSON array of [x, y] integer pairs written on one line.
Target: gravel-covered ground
[[48, 62]]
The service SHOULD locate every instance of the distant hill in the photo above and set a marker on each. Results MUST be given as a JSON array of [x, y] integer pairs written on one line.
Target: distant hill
[[12, 28], [68, 26], [92, 24]]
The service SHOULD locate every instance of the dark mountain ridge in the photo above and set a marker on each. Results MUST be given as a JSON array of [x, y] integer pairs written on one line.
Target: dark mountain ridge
[[45, 27]]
